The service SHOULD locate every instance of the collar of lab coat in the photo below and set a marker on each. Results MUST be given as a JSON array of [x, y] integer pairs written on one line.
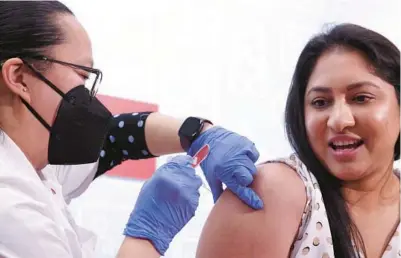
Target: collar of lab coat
[[15, 160]]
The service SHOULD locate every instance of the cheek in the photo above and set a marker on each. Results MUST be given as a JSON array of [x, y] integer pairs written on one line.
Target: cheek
[[380, 114], [45, 101], [383, 123], [316, 125], [65, 79]]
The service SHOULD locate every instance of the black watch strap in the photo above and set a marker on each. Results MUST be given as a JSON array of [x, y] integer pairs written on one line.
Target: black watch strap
[[190, 131]]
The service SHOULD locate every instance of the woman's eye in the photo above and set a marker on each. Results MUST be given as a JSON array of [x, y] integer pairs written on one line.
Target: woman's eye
[[84, 74], [319, 103], [361, 98]]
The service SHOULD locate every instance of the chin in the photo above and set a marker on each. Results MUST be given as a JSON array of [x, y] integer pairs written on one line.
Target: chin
[[347, 172]]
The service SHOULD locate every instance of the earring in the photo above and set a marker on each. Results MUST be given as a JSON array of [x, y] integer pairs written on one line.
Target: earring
[[24, 89]]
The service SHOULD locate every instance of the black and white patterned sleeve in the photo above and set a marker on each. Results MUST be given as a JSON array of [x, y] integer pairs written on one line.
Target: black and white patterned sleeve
[[125, 140]]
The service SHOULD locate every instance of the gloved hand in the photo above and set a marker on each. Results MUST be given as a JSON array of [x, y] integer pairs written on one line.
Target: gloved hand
[[166, 203], [231, 161]]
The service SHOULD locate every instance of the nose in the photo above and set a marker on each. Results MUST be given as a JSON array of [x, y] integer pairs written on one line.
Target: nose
[[341, 117]]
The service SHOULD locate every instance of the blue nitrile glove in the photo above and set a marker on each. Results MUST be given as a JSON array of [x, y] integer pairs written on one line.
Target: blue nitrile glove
[[231, 161], [166, 203]]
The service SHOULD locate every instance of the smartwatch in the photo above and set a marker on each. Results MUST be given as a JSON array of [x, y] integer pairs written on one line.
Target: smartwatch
[[190, 131]]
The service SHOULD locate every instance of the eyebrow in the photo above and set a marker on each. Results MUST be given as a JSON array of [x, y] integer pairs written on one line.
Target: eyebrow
[[351, 86]]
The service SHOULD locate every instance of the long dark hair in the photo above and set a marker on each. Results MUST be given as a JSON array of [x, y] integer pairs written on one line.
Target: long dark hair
[[385, 58], [28, 28]]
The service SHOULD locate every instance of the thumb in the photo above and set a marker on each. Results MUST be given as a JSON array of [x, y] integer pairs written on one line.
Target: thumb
[[247, 195], [243, 175], [253, 153]]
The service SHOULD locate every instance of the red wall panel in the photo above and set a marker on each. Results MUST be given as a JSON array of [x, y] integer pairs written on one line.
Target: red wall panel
[[137, 169]]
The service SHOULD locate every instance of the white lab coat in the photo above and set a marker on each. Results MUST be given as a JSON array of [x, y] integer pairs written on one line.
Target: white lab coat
[[34, 217]]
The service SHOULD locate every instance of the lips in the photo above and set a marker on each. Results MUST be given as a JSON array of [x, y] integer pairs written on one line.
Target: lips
[[345, 148], [345, 144]]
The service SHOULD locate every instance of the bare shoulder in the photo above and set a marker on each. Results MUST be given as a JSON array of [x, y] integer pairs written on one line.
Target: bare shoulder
[[234, 230], [279, 182]]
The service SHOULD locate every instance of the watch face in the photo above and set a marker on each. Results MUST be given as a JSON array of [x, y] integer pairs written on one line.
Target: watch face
[[189, 131], [191, 127]]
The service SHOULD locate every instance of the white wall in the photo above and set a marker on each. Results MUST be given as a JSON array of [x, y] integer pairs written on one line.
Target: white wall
[[228, 60]]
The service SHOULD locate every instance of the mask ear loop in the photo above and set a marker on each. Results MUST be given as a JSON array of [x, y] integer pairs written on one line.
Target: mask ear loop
[[41, 120], [51, 85]]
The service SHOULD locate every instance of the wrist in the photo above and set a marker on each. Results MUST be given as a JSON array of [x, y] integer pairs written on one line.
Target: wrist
[[137, 247], [191, 129], [159, 239]]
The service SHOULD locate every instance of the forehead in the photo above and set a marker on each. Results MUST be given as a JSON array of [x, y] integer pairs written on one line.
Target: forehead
[[342, 67], [77, 47]]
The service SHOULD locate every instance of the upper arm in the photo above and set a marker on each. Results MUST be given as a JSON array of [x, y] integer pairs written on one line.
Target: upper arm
[[125, 140], [234, 230]]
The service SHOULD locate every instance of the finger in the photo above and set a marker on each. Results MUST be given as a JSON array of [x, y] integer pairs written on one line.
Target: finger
[[253, 153], [243, 176], [175, 163], [247, 163], [184, 160], [247, 195], [187, 173], [197, 181], [252, 168]]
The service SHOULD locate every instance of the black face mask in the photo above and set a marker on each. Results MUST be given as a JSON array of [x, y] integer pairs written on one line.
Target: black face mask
[[79, 130]]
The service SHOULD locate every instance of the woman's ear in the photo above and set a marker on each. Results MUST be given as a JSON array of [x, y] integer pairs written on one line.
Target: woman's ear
[[13, 72]]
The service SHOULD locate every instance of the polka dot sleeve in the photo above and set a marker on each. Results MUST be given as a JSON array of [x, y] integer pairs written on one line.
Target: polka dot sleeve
[[125, 140]]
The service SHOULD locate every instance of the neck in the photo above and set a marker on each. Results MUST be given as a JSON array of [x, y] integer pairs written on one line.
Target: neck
[[381, 188], [27, 133]]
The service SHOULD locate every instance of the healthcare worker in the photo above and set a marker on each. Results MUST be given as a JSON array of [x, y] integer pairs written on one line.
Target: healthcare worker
[[53, 129]]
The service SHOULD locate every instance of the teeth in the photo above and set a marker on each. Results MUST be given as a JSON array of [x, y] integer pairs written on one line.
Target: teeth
[[344, 143]]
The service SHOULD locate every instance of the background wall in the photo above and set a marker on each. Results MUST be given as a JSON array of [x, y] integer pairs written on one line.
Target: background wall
[[228, 60]]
